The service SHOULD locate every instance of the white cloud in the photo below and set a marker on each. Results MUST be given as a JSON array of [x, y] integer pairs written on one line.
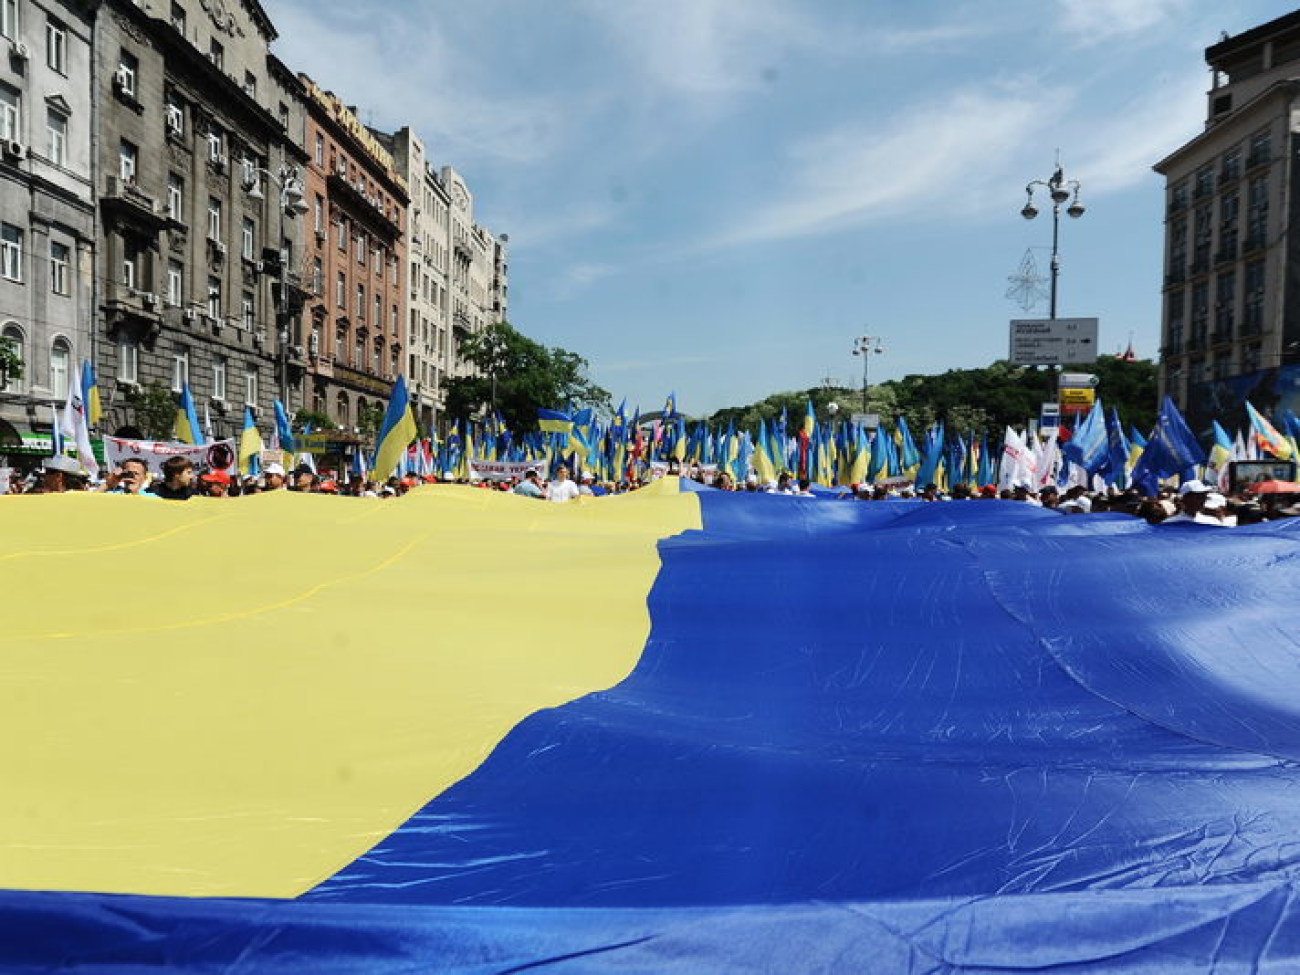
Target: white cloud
[[1122, 149], [1092, 22], [933, 159]]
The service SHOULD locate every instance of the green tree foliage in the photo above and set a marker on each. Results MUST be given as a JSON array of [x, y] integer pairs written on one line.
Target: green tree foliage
[[310, 418], [154, 408], [524, 374], [990, 399]]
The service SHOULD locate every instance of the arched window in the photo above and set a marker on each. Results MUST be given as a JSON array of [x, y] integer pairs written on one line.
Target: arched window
[[60, 366], [18, 343]]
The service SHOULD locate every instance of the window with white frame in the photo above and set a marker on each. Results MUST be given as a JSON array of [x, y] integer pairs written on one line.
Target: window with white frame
[[216, 145], [250, 84], [214, 297], [379, 312], [247, 308], [175, 283], [56, 132], [180, 368], [10, 113], [9, 19], [60, 258], [317, 276], [178, 17], [361, 249], [128, 70], [320, 149], [214, 219], [128, 359], [341, 294], [318, 213], [341, 230], [219, 377], [60, 359], [361, 302], [11, 252], [247, 231], [130, 264], [128, 156], [175, 117], [175, 198], [217, 53], [250, 386], [56, 46]]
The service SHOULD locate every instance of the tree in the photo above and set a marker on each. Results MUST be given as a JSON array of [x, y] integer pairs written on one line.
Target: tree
[[316, 421], [154, 407], [519, 375], [369, 419]]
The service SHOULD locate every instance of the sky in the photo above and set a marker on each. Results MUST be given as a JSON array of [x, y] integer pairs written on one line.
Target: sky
[[717, 197]]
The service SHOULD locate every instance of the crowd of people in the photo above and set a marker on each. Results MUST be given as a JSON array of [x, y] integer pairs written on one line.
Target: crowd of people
[[1191, 501]]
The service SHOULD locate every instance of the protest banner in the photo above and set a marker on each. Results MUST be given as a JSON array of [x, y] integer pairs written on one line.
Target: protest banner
[[220, 455]]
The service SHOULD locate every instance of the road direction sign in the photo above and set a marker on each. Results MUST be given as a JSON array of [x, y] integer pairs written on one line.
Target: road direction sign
[[1053, 341]]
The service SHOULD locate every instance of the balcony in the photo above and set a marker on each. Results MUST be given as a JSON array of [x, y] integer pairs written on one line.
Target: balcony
[[125, 200], [362, 205]]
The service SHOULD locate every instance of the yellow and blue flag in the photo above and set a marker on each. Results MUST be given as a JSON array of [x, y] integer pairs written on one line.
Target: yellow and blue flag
[[397, 430], [187, 428], [90, 394], [250, 445], [554, 421]]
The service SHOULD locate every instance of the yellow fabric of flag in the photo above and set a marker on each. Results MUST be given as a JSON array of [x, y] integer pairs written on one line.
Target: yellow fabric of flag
[[248, 726]]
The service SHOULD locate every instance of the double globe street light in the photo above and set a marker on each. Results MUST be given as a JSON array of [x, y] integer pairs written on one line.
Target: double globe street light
[[1059, 189], [867, 346]]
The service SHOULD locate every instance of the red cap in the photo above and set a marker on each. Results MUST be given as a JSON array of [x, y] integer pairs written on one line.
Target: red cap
[[216, 477]]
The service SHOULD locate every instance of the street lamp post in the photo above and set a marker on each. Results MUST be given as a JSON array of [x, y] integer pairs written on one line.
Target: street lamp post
[[1059, 189], [866, 346], [291, 204]]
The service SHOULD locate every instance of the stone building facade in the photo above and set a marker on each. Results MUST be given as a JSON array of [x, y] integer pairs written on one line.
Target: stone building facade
[[1231, 317], [47, 237], [200, 147], [356, 254]]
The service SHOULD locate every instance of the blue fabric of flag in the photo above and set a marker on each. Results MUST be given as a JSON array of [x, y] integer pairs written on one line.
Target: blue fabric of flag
[[1171, 449], [890, 736], [284, 430]]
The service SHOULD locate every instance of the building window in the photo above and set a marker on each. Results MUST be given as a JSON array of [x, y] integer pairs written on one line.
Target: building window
[[361, 249], [214, 219], [393, 320], [361, 302], [130, 258], [247, 309], [11, 252], [175, 117], [14, 335], [214, 297], [128, 68], [341, 295], [9, 19], [250, 84], [178, 18], [56, 130], [1256, 212], [250, 386], [317, 276], [217, 54], [128, 359], [216, 145], [10, 120], [60, 257], [1261, 148], [180, 368], [1225, 305], [175, 198], [284, 115], [341, 231], [247, 232], [56, 46], [128, 157], [320, 149], [60, 353], [359, 354], [318, 213], [1231, 167], [379, 312], [219, 377], [175, 283]]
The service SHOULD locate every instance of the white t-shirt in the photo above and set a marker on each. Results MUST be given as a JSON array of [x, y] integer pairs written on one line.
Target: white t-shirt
[[560, 491]]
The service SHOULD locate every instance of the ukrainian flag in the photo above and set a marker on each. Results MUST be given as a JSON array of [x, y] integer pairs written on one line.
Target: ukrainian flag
[[396, 432], [553, 421], [187, 429]]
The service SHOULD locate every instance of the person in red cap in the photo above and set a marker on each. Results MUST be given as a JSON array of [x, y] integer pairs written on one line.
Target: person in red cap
[[215, 484], [328, 487]]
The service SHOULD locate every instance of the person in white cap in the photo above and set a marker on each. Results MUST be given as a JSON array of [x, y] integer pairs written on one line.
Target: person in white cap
[[1191, 499], [585, 482], [1215, 512], [273, 476]]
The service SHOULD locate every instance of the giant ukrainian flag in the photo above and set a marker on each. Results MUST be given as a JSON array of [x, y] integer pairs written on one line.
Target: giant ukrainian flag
[[782, 735]]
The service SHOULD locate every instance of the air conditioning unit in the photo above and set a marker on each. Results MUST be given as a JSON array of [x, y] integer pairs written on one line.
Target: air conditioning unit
[[259, 267], [313, 343], [320, 236], [148, 299], [189, 314], [20, 50], [122, 79], [296, 351], [219, 160], [218, 247], [13, 149], [175, 119]]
